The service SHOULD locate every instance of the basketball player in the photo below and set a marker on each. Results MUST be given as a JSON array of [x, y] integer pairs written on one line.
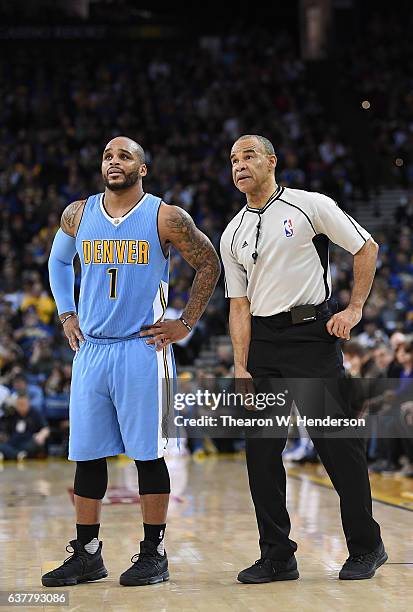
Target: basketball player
[[122, 349]]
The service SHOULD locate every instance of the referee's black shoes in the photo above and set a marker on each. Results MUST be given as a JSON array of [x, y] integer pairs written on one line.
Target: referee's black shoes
[[361, 567], [268, 570], [81, 566], [149, 567]]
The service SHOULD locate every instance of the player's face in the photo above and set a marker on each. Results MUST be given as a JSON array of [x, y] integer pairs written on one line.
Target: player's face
[[251, 166], [121, 167]]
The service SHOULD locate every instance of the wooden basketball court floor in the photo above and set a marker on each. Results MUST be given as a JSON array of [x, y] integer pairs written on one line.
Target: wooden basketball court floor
[[211, 535]]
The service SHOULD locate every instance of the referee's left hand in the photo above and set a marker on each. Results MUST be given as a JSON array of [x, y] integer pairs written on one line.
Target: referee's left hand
[[164, 333], [342, 322]]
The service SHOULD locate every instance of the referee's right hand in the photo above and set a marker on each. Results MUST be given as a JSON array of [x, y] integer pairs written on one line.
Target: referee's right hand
[[244, 384], [73, 332]]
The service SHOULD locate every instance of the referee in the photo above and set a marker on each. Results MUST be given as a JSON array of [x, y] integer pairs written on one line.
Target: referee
[[275, 254]]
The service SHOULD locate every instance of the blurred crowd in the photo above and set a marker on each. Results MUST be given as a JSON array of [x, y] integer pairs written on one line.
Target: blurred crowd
[[377, 65], [59, 110], [380, 378]]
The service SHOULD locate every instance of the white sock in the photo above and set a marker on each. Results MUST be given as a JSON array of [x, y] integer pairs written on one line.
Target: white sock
[[92, 546]]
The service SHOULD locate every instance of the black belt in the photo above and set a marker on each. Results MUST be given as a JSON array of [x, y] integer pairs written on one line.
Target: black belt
[[285, 319]]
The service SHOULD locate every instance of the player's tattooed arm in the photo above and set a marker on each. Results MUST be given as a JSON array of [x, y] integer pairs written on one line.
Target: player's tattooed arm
[[176, 227], [71, 217]]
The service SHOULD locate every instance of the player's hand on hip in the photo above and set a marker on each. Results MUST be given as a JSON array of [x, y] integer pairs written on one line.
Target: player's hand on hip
[[73, 333], [342, 322], [164, 332]]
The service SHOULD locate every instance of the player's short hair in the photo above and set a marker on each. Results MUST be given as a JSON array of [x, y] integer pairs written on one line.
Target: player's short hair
[[137, 149], [267, 144], [140, 152], [136, 146]]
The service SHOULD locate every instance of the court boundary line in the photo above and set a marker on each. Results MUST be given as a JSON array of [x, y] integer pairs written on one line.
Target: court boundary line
[[318, 481]]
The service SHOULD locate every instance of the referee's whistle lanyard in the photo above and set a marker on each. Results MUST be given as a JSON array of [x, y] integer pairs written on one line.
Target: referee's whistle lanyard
[[260, 212], [257, 235]]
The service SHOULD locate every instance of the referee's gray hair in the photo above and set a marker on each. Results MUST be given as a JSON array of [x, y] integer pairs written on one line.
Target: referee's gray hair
[[267, 144]]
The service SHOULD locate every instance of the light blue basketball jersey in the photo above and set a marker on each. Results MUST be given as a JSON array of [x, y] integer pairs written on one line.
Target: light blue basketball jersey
[[124, 282]]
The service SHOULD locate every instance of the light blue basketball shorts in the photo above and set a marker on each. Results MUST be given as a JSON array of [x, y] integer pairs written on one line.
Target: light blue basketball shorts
[[119, 393]]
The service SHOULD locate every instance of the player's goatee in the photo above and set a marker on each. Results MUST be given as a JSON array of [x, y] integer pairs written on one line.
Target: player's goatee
[[130, 180]]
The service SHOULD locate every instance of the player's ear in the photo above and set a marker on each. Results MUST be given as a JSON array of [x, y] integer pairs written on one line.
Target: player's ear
[[143, 170]]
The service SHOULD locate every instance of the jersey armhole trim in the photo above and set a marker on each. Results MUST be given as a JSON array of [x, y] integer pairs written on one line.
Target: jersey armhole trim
[[157, 228], [355, 227], [83, 211], [320, 240]]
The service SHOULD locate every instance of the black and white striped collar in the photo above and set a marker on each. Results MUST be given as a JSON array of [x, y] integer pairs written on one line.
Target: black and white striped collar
[[277, 193]]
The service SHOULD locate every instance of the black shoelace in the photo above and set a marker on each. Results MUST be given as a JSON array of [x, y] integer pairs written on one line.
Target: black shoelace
[[69, 548], [76, 554], [262, 562], [363, 559], [144, 559]]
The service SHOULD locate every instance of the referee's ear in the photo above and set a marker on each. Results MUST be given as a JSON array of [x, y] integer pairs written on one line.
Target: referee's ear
[[272, 162]]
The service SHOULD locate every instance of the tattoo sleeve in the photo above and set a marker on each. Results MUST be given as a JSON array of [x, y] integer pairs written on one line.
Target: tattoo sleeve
[[198, 251], [68, 220]]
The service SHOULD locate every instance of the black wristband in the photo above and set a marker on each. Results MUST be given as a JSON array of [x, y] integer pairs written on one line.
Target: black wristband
[[72, 314], [185, 322]]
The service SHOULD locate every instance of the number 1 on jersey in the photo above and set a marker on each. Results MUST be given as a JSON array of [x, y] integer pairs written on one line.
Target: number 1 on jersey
[[113, 272]]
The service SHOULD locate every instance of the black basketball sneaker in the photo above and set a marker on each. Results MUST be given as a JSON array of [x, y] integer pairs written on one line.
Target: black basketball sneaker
[[269, 570], [363, 566], [81, 566], [149, 567]]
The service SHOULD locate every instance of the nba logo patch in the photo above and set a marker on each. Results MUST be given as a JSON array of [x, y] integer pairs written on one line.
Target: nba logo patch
[[288, 228]]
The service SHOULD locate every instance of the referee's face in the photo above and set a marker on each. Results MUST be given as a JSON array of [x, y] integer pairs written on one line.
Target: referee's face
[[251, 166]]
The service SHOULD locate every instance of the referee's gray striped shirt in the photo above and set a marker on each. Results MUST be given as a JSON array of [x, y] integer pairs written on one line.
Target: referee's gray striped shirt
[[292, 265]]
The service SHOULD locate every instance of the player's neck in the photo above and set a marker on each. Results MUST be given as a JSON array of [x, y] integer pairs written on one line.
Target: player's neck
[[259, 198], [116, 202]]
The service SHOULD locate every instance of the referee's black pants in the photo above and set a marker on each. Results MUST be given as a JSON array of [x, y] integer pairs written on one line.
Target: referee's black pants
[[281, 350]]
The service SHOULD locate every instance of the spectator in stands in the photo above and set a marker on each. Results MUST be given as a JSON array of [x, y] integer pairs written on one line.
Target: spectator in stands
[[371, 335], [26, 432], [20, 387], [59, 379], [11, 353], [41, 360], [395, 368], [404, 429], [388, 406], [383, 357], [31, 330], [35, 297], [56, 407], [358, 360]]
